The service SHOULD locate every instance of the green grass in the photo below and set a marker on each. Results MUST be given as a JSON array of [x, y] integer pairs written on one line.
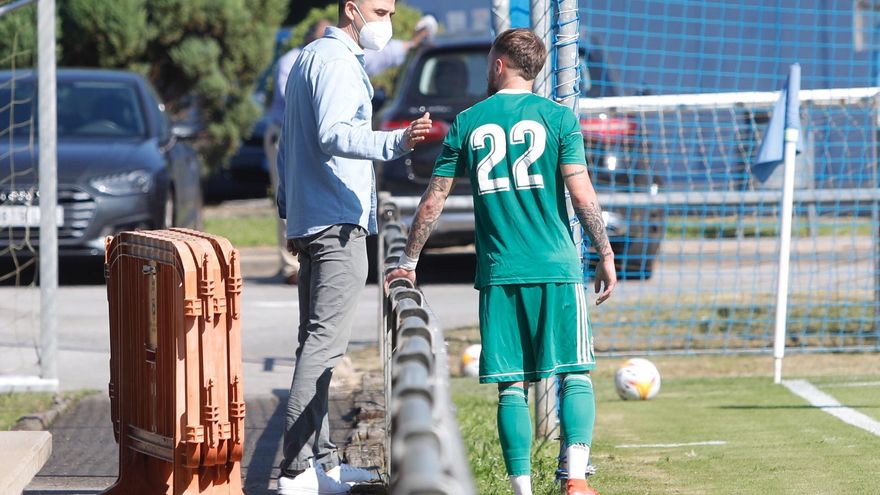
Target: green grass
[[245, 231], [696, 227], [777, 443], [15, 405]]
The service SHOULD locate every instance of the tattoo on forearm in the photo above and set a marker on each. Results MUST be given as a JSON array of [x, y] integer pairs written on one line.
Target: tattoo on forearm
[[575, 173], [428, 214], [439, 185], [590, 217]]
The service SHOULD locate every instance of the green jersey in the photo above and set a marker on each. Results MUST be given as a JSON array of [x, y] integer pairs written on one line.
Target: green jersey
[[511, 146]]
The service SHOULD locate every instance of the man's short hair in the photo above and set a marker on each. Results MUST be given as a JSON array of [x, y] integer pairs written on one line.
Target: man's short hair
[[525, 52], [342, 8]]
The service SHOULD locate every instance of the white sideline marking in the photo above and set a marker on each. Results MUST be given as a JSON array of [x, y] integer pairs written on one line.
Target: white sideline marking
[[832, 406], [853, 384], [669, 445]]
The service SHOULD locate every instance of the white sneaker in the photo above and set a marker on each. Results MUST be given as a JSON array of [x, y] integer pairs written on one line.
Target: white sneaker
[[312, 481], [346, 473]]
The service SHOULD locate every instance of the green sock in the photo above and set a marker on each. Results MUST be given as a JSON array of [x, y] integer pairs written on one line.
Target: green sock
[[577, 413], [515, 430]]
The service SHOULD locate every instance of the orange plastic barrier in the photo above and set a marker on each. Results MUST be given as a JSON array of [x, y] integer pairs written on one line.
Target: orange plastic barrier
[[176, 390]]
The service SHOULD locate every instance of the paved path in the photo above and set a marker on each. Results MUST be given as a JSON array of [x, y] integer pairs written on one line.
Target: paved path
[[85, 456]]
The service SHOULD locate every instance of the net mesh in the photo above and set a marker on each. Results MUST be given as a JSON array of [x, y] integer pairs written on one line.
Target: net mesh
[[695, 223], [19, 217], [685, 91]]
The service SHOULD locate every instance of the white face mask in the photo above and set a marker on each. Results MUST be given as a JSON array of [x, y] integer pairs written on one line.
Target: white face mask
[[374, 35]]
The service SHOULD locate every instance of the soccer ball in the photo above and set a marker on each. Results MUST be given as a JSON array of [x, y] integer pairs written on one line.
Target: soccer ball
[[637, 379], [470, 360]]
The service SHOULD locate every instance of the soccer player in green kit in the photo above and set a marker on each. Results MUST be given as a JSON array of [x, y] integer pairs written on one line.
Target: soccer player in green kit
[[520, 151]]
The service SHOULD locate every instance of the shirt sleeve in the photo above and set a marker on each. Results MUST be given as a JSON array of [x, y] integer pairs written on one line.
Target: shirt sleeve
[[571, 141], [344, 129], [280, 189], [450, 163]]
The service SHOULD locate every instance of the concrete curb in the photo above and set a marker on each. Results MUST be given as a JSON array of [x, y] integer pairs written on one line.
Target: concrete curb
[[41, 421]]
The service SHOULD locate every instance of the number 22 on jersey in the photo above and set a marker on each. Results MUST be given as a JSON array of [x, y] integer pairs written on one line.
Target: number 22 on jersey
[[493, 136]]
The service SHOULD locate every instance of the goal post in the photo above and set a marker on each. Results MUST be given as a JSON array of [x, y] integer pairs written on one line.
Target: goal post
[[48, 187], [28, 191]]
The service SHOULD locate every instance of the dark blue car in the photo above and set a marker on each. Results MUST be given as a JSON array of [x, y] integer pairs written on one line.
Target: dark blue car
[[120, 166]]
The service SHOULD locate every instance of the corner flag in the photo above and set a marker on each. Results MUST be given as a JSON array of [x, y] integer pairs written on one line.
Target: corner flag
[[786, 115]]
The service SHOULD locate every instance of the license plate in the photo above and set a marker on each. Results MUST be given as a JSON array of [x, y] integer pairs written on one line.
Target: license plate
[[26, 216]]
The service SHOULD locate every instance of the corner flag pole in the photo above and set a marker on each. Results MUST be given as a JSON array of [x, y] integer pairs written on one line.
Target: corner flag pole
[[790, 148], [790, 152]]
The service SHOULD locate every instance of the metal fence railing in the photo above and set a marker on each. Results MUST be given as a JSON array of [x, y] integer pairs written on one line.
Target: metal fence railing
[[424, 450]]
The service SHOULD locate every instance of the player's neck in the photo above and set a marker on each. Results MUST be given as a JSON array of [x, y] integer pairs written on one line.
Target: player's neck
[[516, 84]]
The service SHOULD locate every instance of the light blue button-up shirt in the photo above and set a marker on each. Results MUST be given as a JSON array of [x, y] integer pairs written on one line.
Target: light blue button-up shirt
[[328, 143]]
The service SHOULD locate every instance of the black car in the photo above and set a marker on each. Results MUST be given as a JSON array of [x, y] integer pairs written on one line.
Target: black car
[[120, 166], [450, 76]]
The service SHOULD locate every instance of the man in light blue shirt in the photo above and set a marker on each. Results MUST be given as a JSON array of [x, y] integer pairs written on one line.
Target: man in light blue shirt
[[289, 269], [327, 193]]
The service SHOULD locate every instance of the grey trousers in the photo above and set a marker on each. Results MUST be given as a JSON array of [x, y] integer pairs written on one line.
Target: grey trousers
[[332, 273]]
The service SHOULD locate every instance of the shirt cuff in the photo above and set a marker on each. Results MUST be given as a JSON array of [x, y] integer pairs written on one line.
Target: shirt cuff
[[401, 142]]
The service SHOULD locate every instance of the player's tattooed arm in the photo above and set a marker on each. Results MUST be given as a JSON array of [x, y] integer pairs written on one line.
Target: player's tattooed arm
[[590, 216], [428, 214], [586, 207]]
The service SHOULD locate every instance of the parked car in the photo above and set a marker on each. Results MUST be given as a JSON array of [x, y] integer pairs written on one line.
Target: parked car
[[247, 173], [120, 165], [449, 77]]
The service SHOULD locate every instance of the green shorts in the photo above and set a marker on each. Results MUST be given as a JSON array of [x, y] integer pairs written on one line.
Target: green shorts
[[534, 331]]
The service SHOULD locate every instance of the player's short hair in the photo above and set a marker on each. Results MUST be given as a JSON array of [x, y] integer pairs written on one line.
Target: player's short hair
[[525, 52]]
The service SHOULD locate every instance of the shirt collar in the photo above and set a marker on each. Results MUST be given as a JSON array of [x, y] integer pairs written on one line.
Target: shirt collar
[[338, 34], [513, 92]]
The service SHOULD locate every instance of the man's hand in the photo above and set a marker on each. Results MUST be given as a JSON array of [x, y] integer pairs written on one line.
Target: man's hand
[[291, 247], [607, 275], [417, 131], [400, 273]]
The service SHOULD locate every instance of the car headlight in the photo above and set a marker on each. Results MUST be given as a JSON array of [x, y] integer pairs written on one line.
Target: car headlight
[[135, 182]]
